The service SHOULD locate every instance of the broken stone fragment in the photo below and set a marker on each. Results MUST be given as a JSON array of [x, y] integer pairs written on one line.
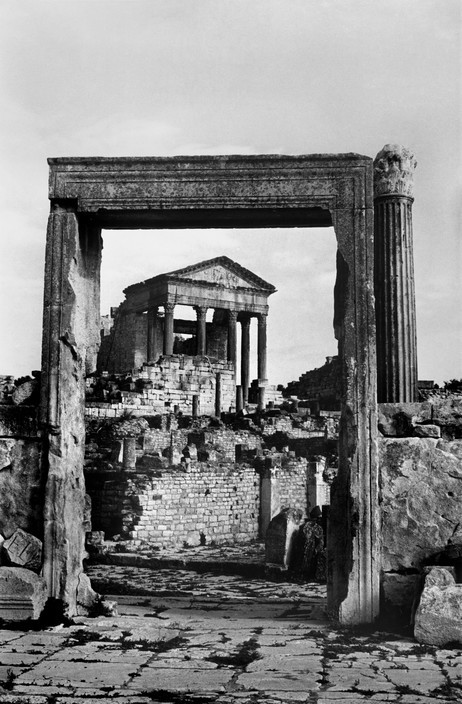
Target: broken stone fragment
[[6, 452], [438, 619], [22, 594], [86, 595], [24, 392], [281, 537], [24, 550], [427, 431]]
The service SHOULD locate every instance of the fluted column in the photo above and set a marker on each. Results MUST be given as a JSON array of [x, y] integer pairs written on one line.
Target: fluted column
[[201, 313], [394, 275], [245, 358], [152, 346], [168, 328], [232, 319]]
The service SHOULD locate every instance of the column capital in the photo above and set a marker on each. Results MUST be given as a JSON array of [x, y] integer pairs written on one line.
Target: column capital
[[232, 316], [169, 307], [394, 169], [262, 319], [201, 311]]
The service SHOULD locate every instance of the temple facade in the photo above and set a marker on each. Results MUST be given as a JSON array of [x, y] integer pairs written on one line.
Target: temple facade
[[145, 330]]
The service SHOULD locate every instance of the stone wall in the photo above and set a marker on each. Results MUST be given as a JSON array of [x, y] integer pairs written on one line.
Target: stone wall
[[173, 507], [421, 490], [320, 386], [172, 381], [293, 485], [21, 488]]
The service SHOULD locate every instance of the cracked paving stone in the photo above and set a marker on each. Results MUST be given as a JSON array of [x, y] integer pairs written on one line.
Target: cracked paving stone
[[422, 681], [278, 681], [152, 678], [344, 678], [78, 674]]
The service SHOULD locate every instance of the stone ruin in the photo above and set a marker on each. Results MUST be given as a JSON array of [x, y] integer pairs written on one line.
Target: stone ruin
[[395, 500]]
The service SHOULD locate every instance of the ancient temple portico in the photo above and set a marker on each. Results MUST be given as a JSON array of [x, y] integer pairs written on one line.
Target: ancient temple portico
[[235, 294]]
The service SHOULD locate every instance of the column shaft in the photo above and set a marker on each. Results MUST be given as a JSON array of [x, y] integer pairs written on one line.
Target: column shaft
[[394, 276], [245, 359], [168, 328], [395, 301], [232, 318], [152, 343], [262, 348], [201, 329]]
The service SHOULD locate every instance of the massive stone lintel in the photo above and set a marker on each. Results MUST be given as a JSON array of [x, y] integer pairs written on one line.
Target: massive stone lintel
[[224, 191]]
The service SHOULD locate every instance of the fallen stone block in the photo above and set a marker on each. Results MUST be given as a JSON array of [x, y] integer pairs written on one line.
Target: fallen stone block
[[24, 550], [22, 594], [438, 619]]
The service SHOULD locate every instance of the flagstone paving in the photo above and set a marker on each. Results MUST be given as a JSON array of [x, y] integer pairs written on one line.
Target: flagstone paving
[[183, 637]]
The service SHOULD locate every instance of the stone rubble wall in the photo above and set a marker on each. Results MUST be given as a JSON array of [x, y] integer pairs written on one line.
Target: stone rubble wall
[[321, 385], [170, 382], [173, 507], [21, 487], [309, 428]]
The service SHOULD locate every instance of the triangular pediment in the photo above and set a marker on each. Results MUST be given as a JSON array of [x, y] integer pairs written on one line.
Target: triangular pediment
[[222, 271]]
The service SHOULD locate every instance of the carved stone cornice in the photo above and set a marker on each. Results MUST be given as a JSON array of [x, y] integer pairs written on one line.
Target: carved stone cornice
[[394, 169]]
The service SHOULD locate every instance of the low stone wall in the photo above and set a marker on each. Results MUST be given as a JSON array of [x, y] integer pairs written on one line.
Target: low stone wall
[[173, 507], [172, 382]]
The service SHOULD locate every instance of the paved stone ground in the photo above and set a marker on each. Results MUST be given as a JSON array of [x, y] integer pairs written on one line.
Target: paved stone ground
[[190, 637]]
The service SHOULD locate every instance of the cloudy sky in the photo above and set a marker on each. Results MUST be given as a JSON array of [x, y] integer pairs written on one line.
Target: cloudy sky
[[168, 77]]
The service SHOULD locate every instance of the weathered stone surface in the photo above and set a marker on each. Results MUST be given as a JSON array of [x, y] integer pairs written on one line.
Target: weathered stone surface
[[24, 550], [21, 494], [421, 496], [86, 596], [6, 452], [394, 169], [87, 514], [18, 421], [22, 594], [23, 392], [308, 558], [427, 431], [438, 619], [280, 537]]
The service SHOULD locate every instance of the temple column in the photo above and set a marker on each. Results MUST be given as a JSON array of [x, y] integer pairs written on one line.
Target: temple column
[[152, 335], [232, 319], [262, 380], [201, 312], [245, 358], [394, 275], [168, 328]]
